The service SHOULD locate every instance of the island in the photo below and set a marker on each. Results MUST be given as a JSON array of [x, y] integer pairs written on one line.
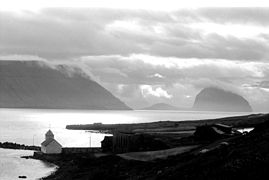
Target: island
[[161, 106], [216, 99]]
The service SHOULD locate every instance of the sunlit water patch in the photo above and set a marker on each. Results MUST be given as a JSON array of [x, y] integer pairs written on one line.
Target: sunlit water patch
[[243, 130]]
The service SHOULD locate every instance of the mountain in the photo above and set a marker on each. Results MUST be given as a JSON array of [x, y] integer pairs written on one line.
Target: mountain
[[215, 99], [161, 106], [33, 84]]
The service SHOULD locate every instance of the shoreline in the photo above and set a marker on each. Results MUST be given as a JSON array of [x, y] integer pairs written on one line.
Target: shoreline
[[14, 145], [22, 159], [50, 163], [113, 166], [245, 121], [79, 166]]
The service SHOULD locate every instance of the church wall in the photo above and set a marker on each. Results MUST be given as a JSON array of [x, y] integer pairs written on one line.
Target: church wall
[[43, 149], [53, 148]]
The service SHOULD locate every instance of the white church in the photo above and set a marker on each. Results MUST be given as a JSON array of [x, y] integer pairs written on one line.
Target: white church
[[50, 145]]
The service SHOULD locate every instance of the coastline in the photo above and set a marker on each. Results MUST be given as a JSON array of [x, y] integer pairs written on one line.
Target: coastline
[[15, 163], [14, 145], [246, 121], [82, 166]]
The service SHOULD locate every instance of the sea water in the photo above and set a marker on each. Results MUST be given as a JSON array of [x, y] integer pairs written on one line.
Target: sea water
[[12, 165]]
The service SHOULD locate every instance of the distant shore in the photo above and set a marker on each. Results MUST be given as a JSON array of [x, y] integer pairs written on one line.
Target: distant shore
[[245, 121], [13, 145]]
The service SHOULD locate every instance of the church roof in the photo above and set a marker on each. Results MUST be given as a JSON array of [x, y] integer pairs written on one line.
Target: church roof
[[48, 141], [49, 133]]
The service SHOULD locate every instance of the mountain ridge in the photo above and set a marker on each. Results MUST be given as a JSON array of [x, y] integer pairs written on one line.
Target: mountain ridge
[[34, 84]]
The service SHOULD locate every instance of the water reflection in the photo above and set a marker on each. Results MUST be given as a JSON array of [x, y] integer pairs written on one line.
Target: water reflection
[[245, 130]]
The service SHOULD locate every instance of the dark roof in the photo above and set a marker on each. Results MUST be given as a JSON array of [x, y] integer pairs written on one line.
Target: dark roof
[[49, 132], [124, 132], [48, 141], [212, 131], [222, 125], [218, 130]]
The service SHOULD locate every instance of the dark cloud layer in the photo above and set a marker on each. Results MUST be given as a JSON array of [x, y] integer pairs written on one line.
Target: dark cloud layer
[[66, 33], [256, 16]]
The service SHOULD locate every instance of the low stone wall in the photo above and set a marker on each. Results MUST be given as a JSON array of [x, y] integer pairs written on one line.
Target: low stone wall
[[78, 150]]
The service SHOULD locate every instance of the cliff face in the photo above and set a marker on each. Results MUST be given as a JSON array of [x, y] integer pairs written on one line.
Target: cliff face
[[214, 99], [30, 84]]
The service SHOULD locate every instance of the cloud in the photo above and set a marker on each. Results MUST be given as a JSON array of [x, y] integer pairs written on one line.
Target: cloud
[[17, 57], [148, 90], [239, 15], [181, 77], [140, 68], [264, 84], [261, 84], [65, 33], [156, 75]]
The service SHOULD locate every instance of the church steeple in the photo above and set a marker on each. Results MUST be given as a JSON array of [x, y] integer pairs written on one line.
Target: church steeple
[[49, 135]]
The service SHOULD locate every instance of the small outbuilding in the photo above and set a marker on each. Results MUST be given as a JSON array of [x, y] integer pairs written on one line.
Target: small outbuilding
[[214, 131], [50, 145]]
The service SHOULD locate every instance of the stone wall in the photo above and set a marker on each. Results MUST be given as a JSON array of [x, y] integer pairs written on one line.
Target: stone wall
[[77, 150]]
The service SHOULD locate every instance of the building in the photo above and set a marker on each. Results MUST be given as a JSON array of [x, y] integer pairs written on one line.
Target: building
[[122, 142], [107, 144], [50, 145], [214, 131]]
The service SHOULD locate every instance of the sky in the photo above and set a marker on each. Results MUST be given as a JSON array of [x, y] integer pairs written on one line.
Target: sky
[[147, 52]]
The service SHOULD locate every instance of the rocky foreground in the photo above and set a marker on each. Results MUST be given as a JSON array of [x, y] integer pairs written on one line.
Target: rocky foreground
[[240, 157]]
